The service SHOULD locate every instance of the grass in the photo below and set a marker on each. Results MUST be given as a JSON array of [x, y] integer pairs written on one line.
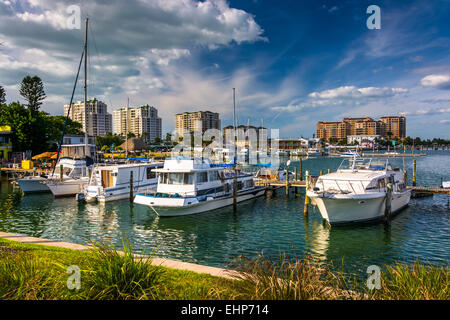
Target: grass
[[29, 271]]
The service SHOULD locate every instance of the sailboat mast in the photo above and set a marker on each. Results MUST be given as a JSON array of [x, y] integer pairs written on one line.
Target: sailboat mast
[[86, 147], [234, 123], [126, 127]]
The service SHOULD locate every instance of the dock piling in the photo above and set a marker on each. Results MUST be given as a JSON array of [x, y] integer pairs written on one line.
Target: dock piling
[[131, 185], [305, 208], [414, 173], [61, 172], [287, 182]]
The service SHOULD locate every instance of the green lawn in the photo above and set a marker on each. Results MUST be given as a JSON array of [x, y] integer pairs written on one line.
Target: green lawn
[[30, 271]]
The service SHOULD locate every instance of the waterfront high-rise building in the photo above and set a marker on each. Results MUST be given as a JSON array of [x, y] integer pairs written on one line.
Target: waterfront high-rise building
[[99, 121], [142, 121], [199, 121], [394, 126]]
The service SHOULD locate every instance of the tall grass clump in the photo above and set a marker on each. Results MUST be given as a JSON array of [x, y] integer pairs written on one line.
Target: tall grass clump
[[120, 275], [413, 282], [26, 277], [289, 279]]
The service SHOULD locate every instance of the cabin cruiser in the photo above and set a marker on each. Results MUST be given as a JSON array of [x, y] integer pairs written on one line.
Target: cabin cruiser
[[188, 186], [76, 173], [349, 154], [358, 192], [315, 152], [113, 182], [34, 184]]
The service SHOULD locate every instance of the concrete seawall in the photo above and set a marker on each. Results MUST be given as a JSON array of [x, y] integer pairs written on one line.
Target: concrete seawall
[[168, 263]]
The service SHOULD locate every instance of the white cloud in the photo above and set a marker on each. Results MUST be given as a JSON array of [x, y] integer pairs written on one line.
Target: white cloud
[[352, 92], [440, 81]]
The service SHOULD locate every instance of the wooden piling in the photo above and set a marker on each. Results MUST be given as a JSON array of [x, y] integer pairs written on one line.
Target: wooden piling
[[287, 182], [131, 185], [61, 172], [387, 207], [321, 172], [414, 173], [300, 170], [295, 174], [305, 208], [329, 170], [234, 194]]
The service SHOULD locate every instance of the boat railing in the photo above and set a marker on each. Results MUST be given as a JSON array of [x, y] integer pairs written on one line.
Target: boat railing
[[340, 187]]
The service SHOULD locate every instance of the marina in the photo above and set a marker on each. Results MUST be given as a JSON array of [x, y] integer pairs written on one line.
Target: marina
[[272, 223]]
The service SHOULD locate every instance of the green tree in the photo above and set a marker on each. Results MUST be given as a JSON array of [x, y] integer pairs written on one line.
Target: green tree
[[109, 140], [32, 89], [2, 95], [54, 128]]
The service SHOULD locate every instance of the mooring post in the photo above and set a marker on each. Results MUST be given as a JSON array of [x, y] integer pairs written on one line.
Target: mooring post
[[234, 194], [295, 174], [305, 208], [61, 172], [329, 170], [414, 172], [387, 208], [321, 172], [131, 185], [300, 169], [287, 182]]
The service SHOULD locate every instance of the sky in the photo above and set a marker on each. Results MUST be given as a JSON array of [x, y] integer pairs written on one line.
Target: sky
[[293, 63]]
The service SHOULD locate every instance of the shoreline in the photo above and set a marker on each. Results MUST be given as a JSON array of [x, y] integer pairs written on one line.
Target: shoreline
[[168, 263]]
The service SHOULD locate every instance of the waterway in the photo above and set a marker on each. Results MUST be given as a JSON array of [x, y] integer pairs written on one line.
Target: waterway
[[271, 224]]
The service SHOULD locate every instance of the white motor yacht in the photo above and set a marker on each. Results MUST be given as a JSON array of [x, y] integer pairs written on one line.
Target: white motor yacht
[[358, 192], [113, 182], [187, 186], [76, 173]]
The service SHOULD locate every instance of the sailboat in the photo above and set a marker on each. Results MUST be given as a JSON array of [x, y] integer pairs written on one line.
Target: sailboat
[[79, 176]]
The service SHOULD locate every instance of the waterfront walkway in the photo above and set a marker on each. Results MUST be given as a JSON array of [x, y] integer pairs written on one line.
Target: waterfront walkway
[[168, 263]]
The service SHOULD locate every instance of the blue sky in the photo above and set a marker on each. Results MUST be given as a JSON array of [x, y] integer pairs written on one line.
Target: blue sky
[[293, 63]]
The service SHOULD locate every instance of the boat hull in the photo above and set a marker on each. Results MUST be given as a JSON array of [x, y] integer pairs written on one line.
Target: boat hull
[[67, 188], [93, 194], [180, 208], [348, 209], [33, 185]]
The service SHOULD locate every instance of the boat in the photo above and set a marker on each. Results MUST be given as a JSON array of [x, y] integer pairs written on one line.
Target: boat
[[446, 184], [190, 186], [113, 182], [34, 184], [315, 152], [273, 174], [358, 192], [76, 173], [349, 154]]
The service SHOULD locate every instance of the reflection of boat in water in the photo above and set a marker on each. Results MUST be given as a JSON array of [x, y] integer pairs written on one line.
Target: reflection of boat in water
[[358, 192], [187, 186]]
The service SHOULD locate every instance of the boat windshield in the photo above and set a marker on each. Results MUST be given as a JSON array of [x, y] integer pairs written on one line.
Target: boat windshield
[[363, 164], [177, 178]]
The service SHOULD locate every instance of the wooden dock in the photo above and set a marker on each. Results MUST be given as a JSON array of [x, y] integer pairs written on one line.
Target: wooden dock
[[429, 190]]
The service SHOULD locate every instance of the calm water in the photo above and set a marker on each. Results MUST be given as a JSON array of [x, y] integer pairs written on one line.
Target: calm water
[[270, 224]]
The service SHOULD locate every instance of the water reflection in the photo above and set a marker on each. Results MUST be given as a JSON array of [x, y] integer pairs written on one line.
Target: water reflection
[[271, 225]]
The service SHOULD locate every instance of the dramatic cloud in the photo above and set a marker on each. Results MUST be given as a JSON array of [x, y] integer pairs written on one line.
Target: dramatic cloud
[[439, 81]]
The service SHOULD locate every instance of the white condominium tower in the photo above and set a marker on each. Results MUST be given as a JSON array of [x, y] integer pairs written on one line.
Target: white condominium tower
[[142, 121], [99, 121]]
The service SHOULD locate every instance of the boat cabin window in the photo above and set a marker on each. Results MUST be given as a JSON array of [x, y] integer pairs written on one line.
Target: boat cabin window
[[213, 176], [202, 177], [150, 174], [177, 178], [249, 184]]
